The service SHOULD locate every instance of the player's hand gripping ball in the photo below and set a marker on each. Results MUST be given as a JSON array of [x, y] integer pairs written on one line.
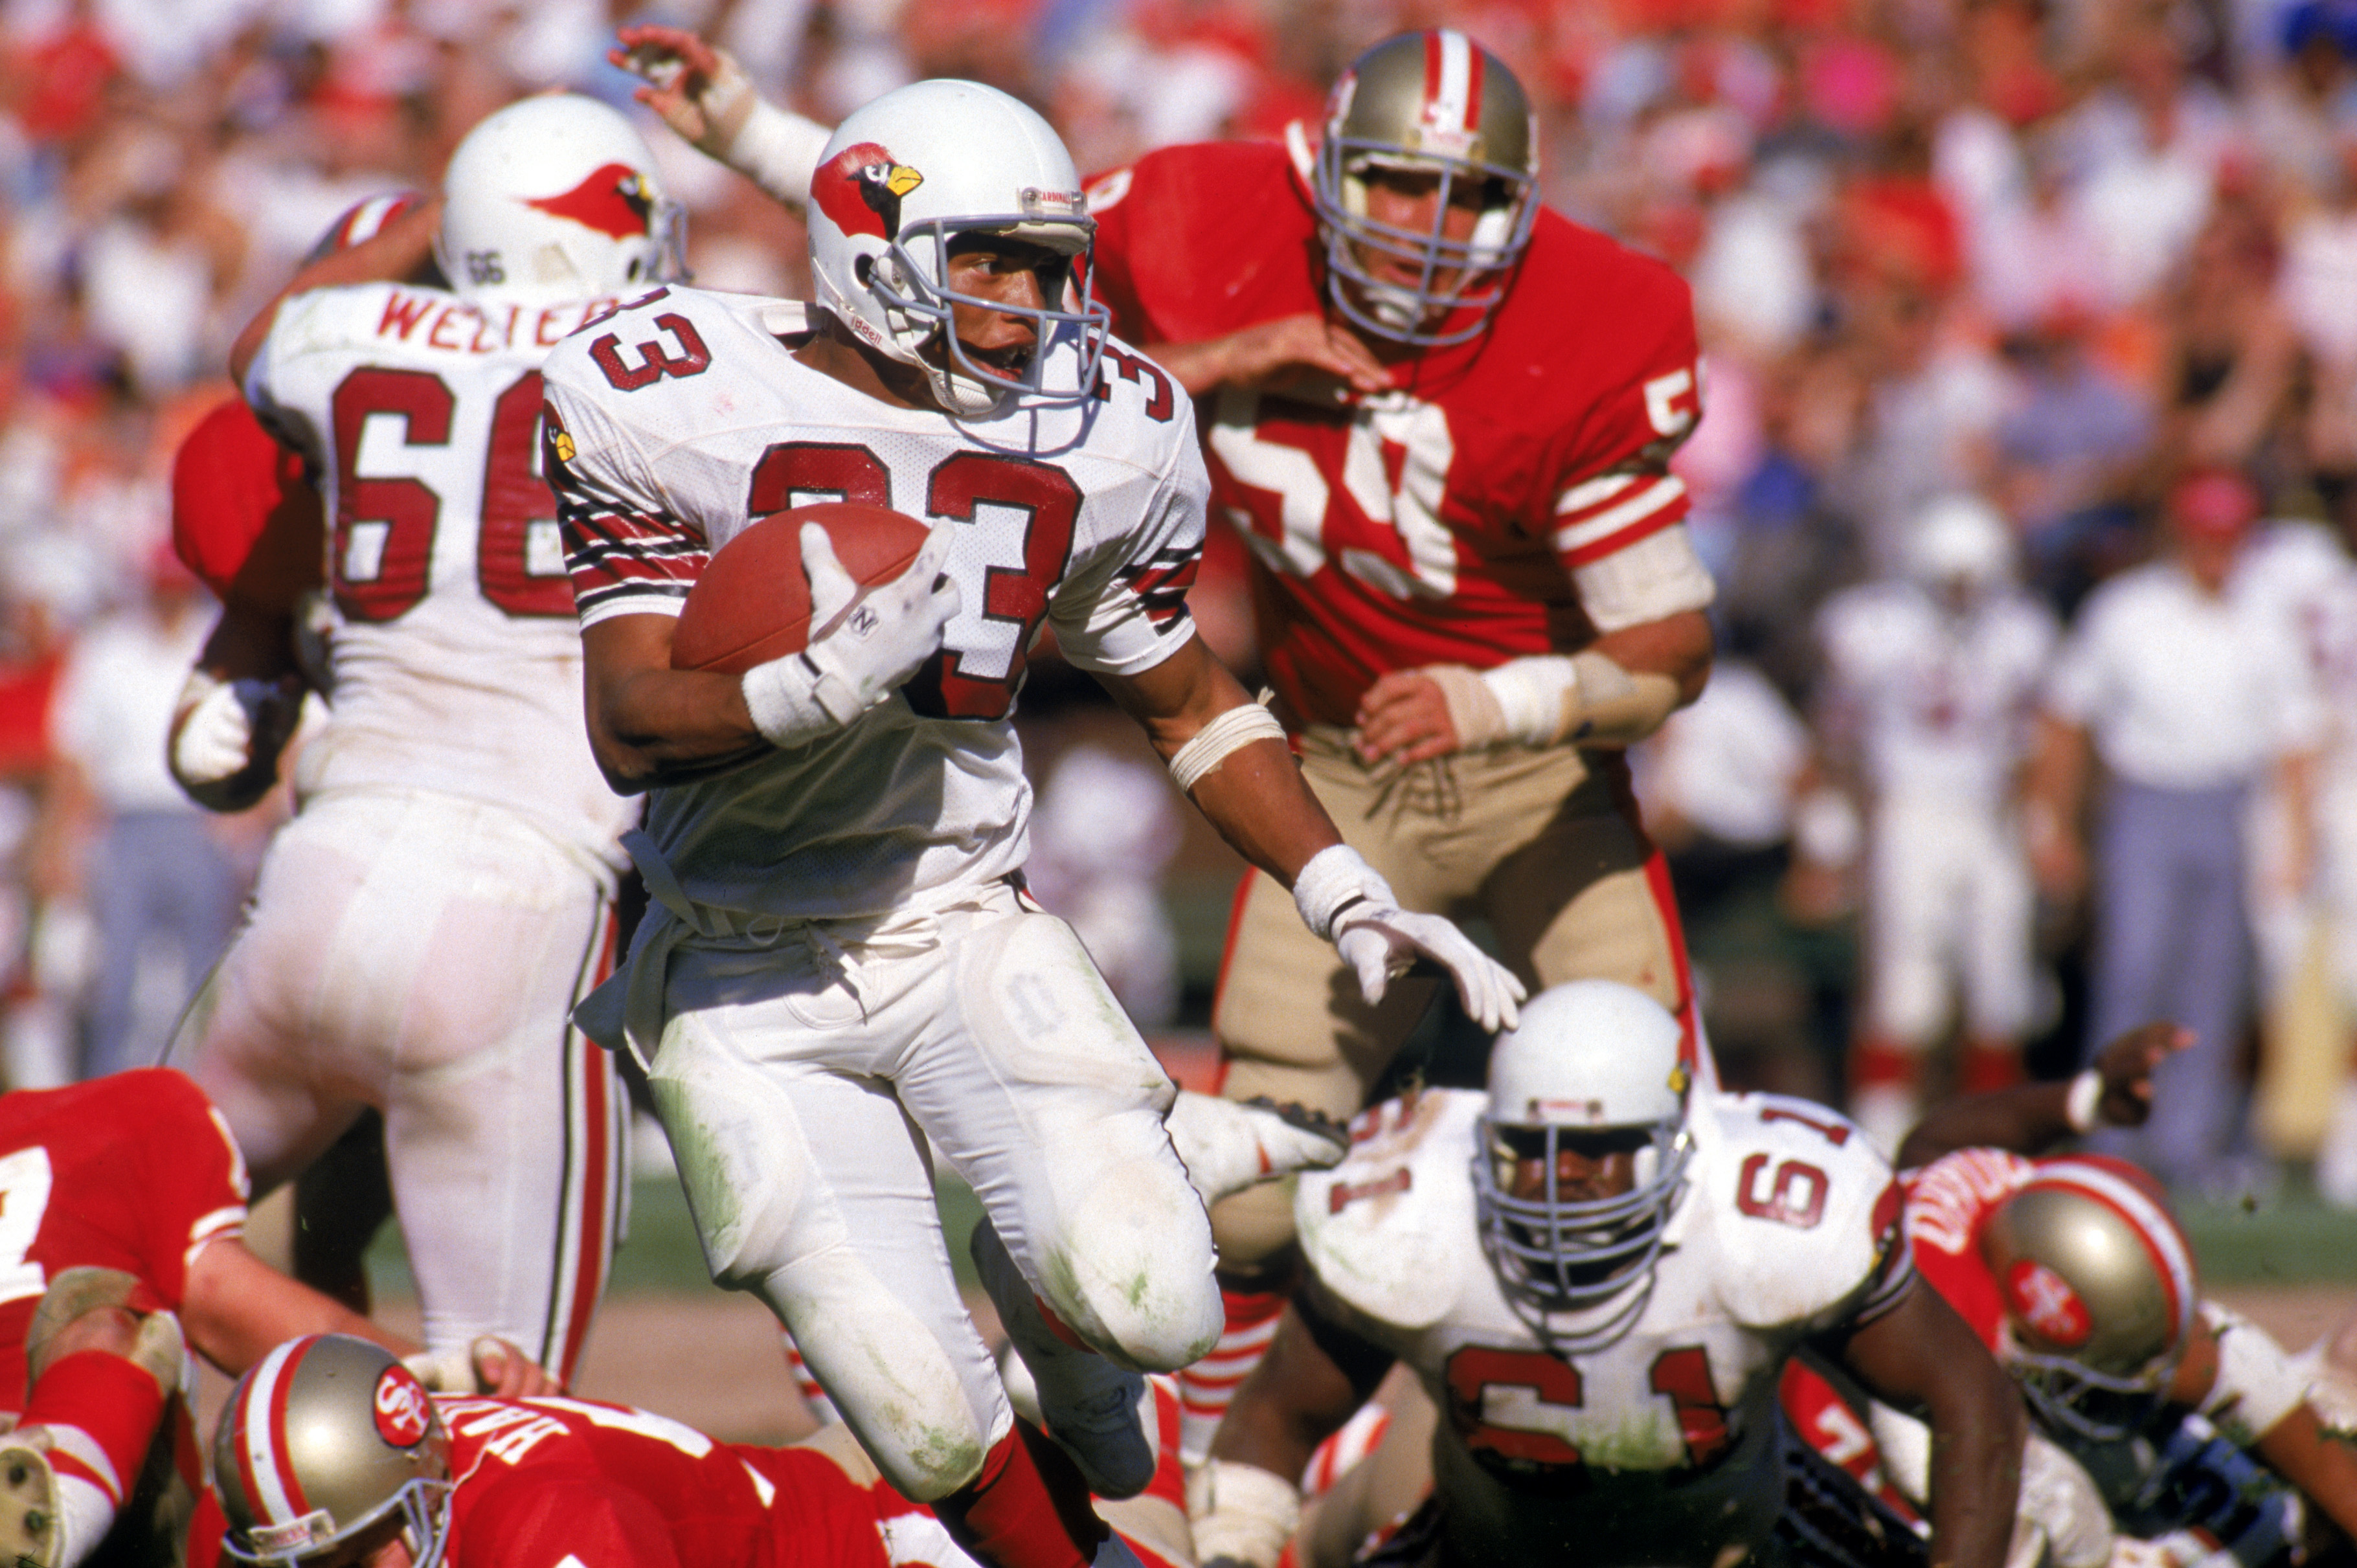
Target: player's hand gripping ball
[[752, 603]]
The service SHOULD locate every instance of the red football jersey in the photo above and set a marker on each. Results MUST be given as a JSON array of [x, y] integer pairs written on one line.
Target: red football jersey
[[549, 1482], [244, 518], [1445, 522], [1948, 1202], [136, 1171]]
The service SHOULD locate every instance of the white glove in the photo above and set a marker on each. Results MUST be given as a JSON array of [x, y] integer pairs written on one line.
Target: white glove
[[222, 728], [868, 642], [1344, 899]]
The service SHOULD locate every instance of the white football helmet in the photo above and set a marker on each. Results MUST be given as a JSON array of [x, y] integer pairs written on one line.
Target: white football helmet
[[1960, 540], [2099, 1292], [1594, 1057], [910, 172], [1436, 102], [325, 1439], [554, 198]]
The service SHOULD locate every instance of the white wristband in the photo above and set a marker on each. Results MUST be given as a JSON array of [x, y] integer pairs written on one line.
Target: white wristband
[[1210, 746], [1529, 695], [1248, 1513], [777, 150], [1335, 878], [793, 701], [2087, 1097]]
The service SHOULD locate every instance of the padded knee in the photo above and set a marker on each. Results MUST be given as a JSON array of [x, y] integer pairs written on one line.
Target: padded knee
[[1131, 1274]]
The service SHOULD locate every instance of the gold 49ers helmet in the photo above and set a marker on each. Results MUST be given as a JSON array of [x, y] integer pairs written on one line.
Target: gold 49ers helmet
[[324, 1440], [1438, 102], [2099, 1289]]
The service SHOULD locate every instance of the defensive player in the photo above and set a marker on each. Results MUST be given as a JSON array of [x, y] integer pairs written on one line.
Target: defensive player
[[1931, 682], [1441, 417], [329, 1451], [1597, 1271], [122, 1207], [841, 949], [2194, 1424], [423, 926]]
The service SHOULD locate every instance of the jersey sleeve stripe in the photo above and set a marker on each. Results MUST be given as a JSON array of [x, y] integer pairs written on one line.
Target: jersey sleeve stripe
[[1591, 493], [1599, 533], [623, 560]]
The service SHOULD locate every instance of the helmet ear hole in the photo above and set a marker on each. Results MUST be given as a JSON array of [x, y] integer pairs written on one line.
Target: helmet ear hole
[[862, 269]]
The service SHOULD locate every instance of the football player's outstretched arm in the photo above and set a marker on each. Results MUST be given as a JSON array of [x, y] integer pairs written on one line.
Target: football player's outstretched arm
[[1231, 757], [704, 96], [399, 250], [2295, 1443], [1922, 1358], [1315, 1375], [1292, 353], [237, 1308], [2032, 1118]]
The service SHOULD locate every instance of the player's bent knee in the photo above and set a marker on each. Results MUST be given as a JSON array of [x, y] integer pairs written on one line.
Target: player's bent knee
[[1131, 1274], [1254, 1228]]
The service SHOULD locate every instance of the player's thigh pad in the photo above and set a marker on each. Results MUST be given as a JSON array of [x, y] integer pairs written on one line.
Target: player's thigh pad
[[1035, 1085], [809, 1189]]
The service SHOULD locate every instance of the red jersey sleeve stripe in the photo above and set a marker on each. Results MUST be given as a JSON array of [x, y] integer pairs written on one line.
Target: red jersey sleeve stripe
[[1616, 514]]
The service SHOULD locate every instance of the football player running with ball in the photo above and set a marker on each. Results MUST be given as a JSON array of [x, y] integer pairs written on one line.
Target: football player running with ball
[[1442, 417], [841, 966]]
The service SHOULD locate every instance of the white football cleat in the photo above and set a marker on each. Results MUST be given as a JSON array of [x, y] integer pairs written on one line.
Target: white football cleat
[[1229, 1144], [1091, 1407]]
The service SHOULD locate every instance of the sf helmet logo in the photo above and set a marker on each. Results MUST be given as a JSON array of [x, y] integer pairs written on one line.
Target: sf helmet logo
[[614, 200], [403, 1412], [2048, 1303], [860, 188]]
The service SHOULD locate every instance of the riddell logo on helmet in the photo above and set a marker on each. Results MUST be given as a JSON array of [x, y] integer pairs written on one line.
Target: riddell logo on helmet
[[1590, 1111], [613, 201], [403, 1412], [2047, 1302], [860, 188]]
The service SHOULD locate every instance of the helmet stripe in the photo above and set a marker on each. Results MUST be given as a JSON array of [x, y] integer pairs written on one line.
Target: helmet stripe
[[262, 1424], [1452, 81], [2149, 1220]]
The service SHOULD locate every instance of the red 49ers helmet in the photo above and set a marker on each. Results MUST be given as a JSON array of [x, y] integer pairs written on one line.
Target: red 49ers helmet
[[1437, 102], [2099, 1291], [324, 1440]]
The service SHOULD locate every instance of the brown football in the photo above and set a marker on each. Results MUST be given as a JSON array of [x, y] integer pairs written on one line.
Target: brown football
[[753, 603]]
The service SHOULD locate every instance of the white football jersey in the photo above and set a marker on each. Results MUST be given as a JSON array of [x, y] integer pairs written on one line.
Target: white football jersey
[[456, 659], [686, 416], [1941, 703], [1662, 1447]]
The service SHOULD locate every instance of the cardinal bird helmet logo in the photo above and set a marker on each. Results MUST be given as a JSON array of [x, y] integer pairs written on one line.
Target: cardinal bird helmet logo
[[614, 199], [860, 188]]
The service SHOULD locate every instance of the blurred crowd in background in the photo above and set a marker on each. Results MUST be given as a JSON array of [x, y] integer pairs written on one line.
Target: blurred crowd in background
[[2059, 260]]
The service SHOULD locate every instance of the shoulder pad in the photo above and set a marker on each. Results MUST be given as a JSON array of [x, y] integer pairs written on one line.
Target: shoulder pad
[[1391, 1230], [1804, 1208]]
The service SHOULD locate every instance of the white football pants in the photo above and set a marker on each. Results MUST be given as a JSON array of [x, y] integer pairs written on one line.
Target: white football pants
[[420, 953], [800, 1078]]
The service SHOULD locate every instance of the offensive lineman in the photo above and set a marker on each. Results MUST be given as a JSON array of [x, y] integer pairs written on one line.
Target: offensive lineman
[[842, 952], [1597, 1274], [422, 927], [1442, 417]]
